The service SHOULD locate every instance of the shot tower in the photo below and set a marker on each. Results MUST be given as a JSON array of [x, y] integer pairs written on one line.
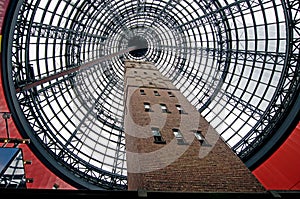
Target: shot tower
[[170, 147]]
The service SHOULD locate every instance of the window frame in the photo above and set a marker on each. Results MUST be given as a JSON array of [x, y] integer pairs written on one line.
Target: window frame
[[178, 135], [147, 109], [142, 92], [164, 108], [199, 136], [171, 94], [156, 93], [157, 136], [180, 109]]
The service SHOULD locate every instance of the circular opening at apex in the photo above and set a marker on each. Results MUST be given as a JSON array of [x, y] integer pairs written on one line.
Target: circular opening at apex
[[140, 44]]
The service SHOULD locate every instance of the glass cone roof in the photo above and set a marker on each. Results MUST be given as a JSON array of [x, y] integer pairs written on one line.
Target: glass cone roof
[[237, 62]]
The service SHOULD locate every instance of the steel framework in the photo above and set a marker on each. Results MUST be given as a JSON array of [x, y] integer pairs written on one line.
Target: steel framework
[[235, 61]]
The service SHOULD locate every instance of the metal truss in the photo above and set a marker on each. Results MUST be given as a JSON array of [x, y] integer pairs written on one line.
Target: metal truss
[[287, 91]]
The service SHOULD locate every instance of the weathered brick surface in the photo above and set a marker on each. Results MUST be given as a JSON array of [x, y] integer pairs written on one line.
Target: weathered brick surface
[[212, 167]]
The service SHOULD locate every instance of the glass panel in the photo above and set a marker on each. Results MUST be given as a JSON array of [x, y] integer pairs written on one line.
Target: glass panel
[[155, 132]]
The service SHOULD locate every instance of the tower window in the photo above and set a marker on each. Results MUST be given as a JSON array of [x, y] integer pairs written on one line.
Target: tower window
[[142, 92], [180, 109], [199, 136], [156, 93], [147, 106], [178, 136], [170, 94], [164, 108], [157, 136]]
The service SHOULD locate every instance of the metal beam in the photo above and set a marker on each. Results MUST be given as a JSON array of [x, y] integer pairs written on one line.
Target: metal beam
[[73, 69]]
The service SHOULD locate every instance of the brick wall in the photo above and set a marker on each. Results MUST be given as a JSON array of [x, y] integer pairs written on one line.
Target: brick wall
[[192, 166]]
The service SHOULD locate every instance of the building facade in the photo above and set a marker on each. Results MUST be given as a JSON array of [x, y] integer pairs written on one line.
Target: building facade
[[169, 145]]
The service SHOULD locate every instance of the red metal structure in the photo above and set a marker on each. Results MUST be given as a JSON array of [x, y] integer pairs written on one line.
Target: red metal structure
[[43, 177]]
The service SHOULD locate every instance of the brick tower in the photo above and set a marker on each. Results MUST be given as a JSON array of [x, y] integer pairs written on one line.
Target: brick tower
[[169, 146]]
